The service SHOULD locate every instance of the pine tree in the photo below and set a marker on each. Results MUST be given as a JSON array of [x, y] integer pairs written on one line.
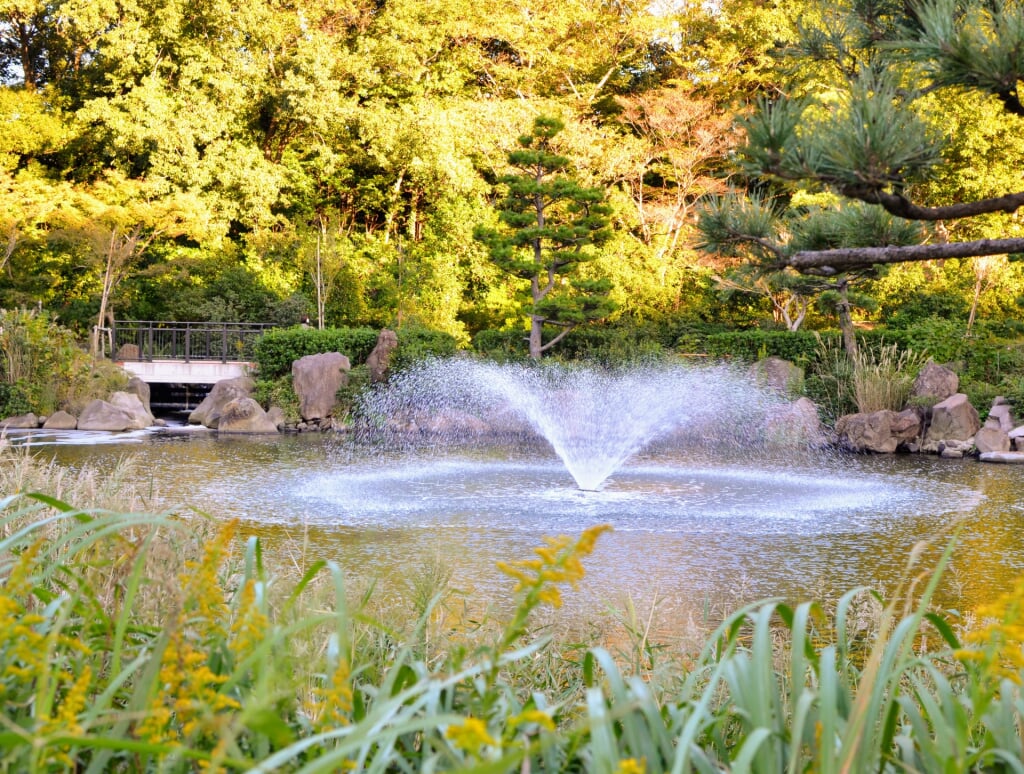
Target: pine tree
[[551, 225]]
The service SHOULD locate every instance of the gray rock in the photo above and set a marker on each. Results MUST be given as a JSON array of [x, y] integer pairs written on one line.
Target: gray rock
[[316, 380], [1003, 414], [130, 402], [101, 415], [935, 383], [992, 439], [245, 415], [953, 419], [1010, 458], [207, 413], [379, 360], [276, 415], [61, 420], [882, 431], [138, 387], [797, 424], [21, 422]]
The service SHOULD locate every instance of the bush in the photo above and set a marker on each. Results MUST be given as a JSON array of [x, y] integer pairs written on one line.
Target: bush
[[276, 350], [278, 392], [416, 343]]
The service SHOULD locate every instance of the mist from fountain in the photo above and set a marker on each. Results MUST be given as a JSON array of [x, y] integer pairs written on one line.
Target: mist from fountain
[[594, 419]]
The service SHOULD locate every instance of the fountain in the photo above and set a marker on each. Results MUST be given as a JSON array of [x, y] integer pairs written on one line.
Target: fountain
[[593, 419]]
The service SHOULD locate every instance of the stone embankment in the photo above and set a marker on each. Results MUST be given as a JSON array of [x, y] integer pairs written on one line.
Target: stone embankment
[[229, 407], [938, 420]]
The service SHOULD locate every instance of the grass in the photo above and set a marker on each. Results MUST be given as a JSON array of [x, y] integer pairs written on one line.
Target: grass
[[140, 642]]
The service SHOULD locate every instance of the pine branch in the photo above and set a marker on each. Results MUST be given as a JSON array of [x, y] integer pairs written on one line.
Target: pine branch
[[829, 262]]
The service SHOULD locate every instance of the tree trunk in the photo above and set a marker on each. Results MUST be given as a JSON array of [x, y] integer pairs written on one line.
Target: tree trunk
[[536, 336], [846, 320]]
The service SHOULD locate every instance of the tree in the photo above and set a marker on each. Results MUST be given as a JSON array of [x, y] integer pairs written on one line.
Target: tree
[[551, 224], [857, 125]]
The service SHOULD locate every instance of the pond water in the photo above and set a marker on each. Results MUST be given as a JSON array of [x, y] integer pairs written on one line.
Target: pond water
[[691, 528]]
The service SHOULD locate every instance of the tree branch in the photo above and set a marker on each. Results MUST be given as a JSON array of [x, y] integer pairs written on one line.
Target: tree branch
[[902, 207], [829, 262]]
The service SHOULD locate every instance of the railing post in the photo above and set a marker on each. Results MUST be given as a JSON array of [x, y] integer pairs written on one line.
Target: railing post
[[188, 343]]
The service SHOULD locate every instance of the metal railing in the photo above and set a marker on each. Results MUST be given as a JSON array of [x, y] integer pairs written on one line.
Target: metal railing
[[148, 340]]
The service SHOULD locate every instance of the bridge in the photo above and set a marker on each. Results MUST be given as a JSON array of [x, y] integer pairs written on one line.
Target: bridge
[[161, 352]]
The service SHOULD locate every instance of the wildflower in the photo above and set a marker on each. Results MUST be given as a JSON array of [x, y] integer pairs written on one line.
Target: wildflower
[[998, 646], [250, 625], [631, 766], [539, 717], [331, 704], [189, 700], [471, 736]]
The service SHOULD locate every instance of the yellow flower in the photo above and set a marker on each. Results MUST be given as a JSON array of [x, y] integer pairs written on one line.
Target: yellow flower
[[537, 716], [631, 766], [998, 645], [331, 704], [471, 736], [250, 625]]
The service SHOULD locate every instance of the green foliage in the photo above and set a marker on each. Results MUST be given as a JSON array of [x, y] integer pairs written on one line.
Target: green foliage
[[43, 368], [278, 392], [143, 642], [417, 343], [277, 349]]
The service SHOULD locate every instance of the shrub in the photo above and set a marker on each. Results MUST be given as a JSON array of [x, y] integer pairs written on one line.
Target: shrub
[[416, 343], [276, 350], [883, 377], [278, 392]]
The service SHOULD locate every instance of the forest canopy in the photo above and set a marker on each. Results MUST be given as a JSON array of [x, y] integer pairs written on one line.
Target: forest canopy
[[221, 161]]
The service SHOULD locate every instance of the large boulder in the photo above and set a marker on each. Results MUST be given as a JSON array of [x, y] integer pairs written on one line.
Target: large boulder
[[1002, 412], [1017, 438], [101, 415], [316, 380], [991, 438], [20, 422], [780, 375], [60, 420], [796, 424], [953, 419], [934, 383], [208, 412], [379, 360], [882, 431], [132, 403], [245, 415], [138, 387]]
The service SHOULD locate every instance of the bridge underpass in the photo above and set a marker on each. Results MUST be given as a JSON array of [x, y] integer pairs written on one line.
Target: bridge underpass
[[181, 361]]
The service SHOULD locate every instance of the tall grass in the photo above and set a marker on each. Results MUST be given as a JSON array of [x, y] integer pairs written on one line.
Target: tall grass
[[149, 642], [875, 378]]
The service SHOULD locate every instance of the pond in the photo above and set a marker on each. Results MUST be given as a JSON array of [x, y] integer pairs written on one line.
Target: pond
[[691, 529]]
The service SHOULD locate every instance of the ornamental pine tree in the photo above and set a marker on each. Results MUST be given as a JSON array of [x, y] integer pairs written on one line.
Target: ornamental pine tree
[[551, 225], [855, 164]]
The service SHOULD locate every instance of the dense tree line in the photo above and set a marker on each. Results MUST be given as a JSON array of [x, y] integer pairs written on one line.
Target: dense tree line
[[265, 160]]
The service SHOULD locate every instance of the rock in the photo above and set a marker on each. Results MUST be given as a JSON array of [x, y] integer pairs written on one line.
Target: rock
[[953, 419], [1003, 414], [128, 352], [934, 383], [138, 387], [796, 425], [882, 431], [207, 413], [130, 402], [1012, 458], [991, 439], [101, 415], [21, 422], [378, 361], [1017, 438], [61, 420], [316, 379], [276, 415], [245, 415]]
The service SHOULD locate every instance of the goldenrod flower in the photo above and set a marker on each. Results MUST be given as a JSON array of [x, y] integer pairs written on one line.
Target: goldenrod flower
[[998, 646], [631, 766], [471, 736]]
